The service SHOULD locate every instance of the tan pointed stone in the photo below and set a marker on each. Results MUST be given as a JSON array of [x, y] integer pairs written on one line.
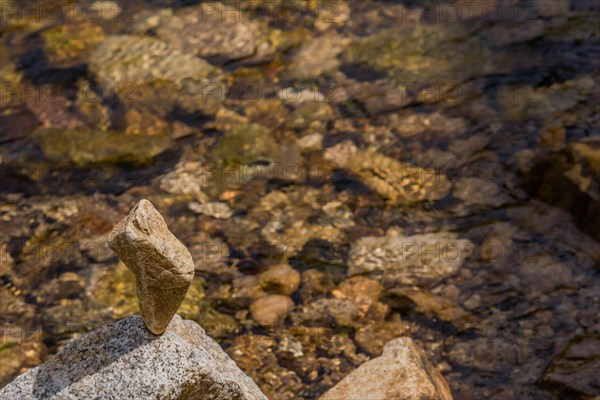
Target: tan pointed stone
[[162, 265]]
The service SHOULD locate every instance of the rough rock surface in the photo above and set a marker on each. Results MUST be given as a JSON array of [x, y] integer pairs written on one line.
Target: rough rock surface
[[125, 361], [163, 266], [402, 372]]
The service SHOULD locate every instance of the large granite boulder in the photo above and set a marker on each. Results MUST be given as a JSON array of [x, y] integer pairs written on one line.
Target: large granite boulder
[[126, 361], [401, 372]]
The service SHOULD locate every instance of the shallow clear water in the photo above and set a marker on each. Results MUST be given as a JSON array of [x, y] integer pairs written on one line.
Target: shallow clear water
[[333, 135]]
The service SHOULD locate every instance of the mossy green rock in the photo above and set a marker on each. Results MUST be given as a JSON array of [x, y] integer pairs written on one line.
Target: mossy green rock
[[244, 144], [423, 53], [87, 146], [67, 43], [540, 103], [10, 81]]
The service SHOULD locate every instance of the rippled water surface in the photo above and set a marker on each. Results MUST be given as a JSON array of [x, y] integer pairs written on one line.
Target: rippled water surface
[[342, 172]]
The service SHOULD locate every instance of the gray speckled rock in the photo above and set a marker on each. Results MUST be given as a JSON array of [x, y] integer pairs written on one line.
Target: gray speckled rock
[[401, 372], [163, 266], [125, 361]]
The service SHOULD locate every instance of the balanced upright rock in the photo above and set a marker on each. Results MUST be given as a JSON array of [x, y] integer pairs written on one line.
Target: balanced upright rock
[[126, 360], [163, 266]]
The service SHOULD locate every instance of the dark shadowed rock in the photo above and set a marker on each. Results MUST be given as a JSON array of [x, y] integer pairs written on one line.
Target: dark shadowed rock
[[574, 372]]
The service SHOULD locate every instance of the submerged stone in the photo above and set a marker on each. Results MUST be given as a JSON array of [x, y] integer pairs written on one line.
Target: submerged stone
[[145, 70], [421, 53], [279, 278], [68, 43], [127, 58], [271, 310], [10, 79], [574, 372], [410, 260], [210, 30], [317, 56], [446, 310], [570, 180], [396, 181], [245, 144], [522, 103], [87, 146]]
